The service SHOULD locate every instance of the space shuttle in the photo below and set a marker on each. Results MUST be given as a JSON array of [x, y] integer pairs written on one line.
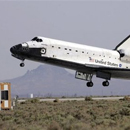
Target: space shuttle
[[85, 60]]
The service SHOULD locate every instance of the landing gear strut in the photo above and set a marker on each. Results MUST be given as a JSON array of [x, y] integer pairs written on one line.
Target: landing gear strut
[[105, 83], [89, 84]]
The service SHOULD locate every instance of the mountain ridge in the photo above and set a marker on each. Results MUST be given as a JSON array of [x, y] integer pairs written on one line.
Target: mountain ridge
[[52, 80]]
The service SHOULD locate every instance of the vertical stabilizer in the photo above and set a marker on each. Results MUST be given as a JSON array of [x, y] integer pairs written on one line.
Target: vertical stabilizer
[[125, 44], [124, 49]]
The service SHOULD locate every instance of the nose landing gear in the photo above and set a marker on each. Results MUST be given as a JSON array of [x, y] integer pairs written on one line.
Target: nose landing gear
[[22, 64]]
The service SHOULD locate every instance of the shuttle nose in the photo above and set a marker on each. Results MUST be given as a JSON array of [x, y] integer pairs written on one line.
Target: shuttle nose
[[16, 48], [12, 49]]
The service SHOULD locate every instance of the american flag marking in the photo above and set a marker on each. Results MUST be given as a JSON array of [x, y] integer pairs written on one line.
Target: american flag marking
[[91, 59]]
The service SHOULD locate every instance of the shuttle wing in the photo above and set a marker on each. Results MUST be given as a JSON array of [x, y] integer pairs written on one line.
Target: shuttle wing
[[115, 72]]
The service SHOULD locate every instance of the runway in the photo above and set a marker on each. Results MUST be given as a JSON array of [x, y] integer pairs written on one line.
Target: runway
[[75, 99]]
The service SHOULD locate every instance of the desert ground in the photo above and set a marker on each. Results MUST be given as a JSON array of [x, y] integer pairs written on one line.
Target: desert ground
[[68, 115]]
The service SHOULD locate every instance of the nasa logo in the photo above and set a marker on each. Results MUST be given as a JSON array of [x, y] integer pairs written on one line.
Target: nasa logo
[[120, 65], [43, 50]]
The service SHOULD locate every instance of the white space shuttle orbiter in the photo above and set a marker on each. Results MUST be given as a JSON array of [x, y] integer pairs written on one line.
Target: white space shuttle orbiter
[[85, 60]]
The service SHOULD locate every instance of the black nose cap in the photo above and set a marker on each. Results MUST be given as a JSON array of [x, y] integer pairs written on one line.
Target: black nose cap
[[12, 49], [16, 48]]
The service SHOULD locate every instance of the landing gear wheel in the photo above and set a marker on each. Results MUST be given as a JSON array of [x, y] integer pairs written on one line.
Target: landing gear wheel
[[90, 84], [22, 65], [105, 83]]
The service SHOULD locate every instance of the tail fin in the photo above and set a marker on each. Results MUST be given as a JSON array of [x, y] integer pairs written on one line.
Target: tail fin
[[125, 44], [124, 49]]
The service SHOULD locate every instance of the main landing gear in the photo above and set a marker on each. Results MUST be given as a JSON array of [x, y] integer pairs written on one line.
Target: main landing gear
[[104, 83], [88, 77], [90, 84]]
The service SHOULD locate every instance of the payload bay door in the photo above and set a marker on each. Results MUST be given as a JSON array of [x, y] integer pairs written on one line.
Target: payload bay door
[[83, 76]]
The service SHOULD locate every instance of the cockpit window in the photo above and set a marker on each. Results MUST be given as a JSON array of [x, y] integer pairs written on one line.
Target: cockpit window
[[34, 39], [37, 39]]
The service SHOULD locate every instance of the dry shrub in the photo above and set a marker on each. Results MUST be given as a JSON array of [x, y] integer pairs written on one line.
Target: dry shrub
[[35, 100], [77, 126], [128, 105], [125, 111], [68, 115], [56, 100], [127, 128], [54, 126], [88, 99], [126, 98]]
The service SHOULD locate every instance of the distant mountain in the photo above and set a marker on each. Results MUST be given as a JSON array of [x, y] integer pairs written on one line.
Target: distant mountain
[[47, 80]]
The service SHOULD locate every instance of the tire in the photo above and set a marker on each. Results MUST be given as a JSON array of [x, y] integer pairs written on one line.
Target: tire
[[105, 83], [22, 65], [89, 84]]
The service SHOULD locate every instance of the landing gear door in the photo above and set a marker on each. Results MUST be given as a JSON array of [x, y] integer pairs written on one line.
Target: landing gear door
[[83, 76]]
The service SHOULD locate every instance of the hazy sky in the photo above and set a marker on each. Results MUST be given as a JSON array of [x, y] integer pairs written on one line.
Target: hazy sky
[[96, 23]]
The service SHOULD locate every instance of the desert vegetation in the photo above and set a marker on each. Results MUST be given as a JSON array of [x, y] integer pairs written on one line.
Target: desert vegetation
[[68, 115]]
